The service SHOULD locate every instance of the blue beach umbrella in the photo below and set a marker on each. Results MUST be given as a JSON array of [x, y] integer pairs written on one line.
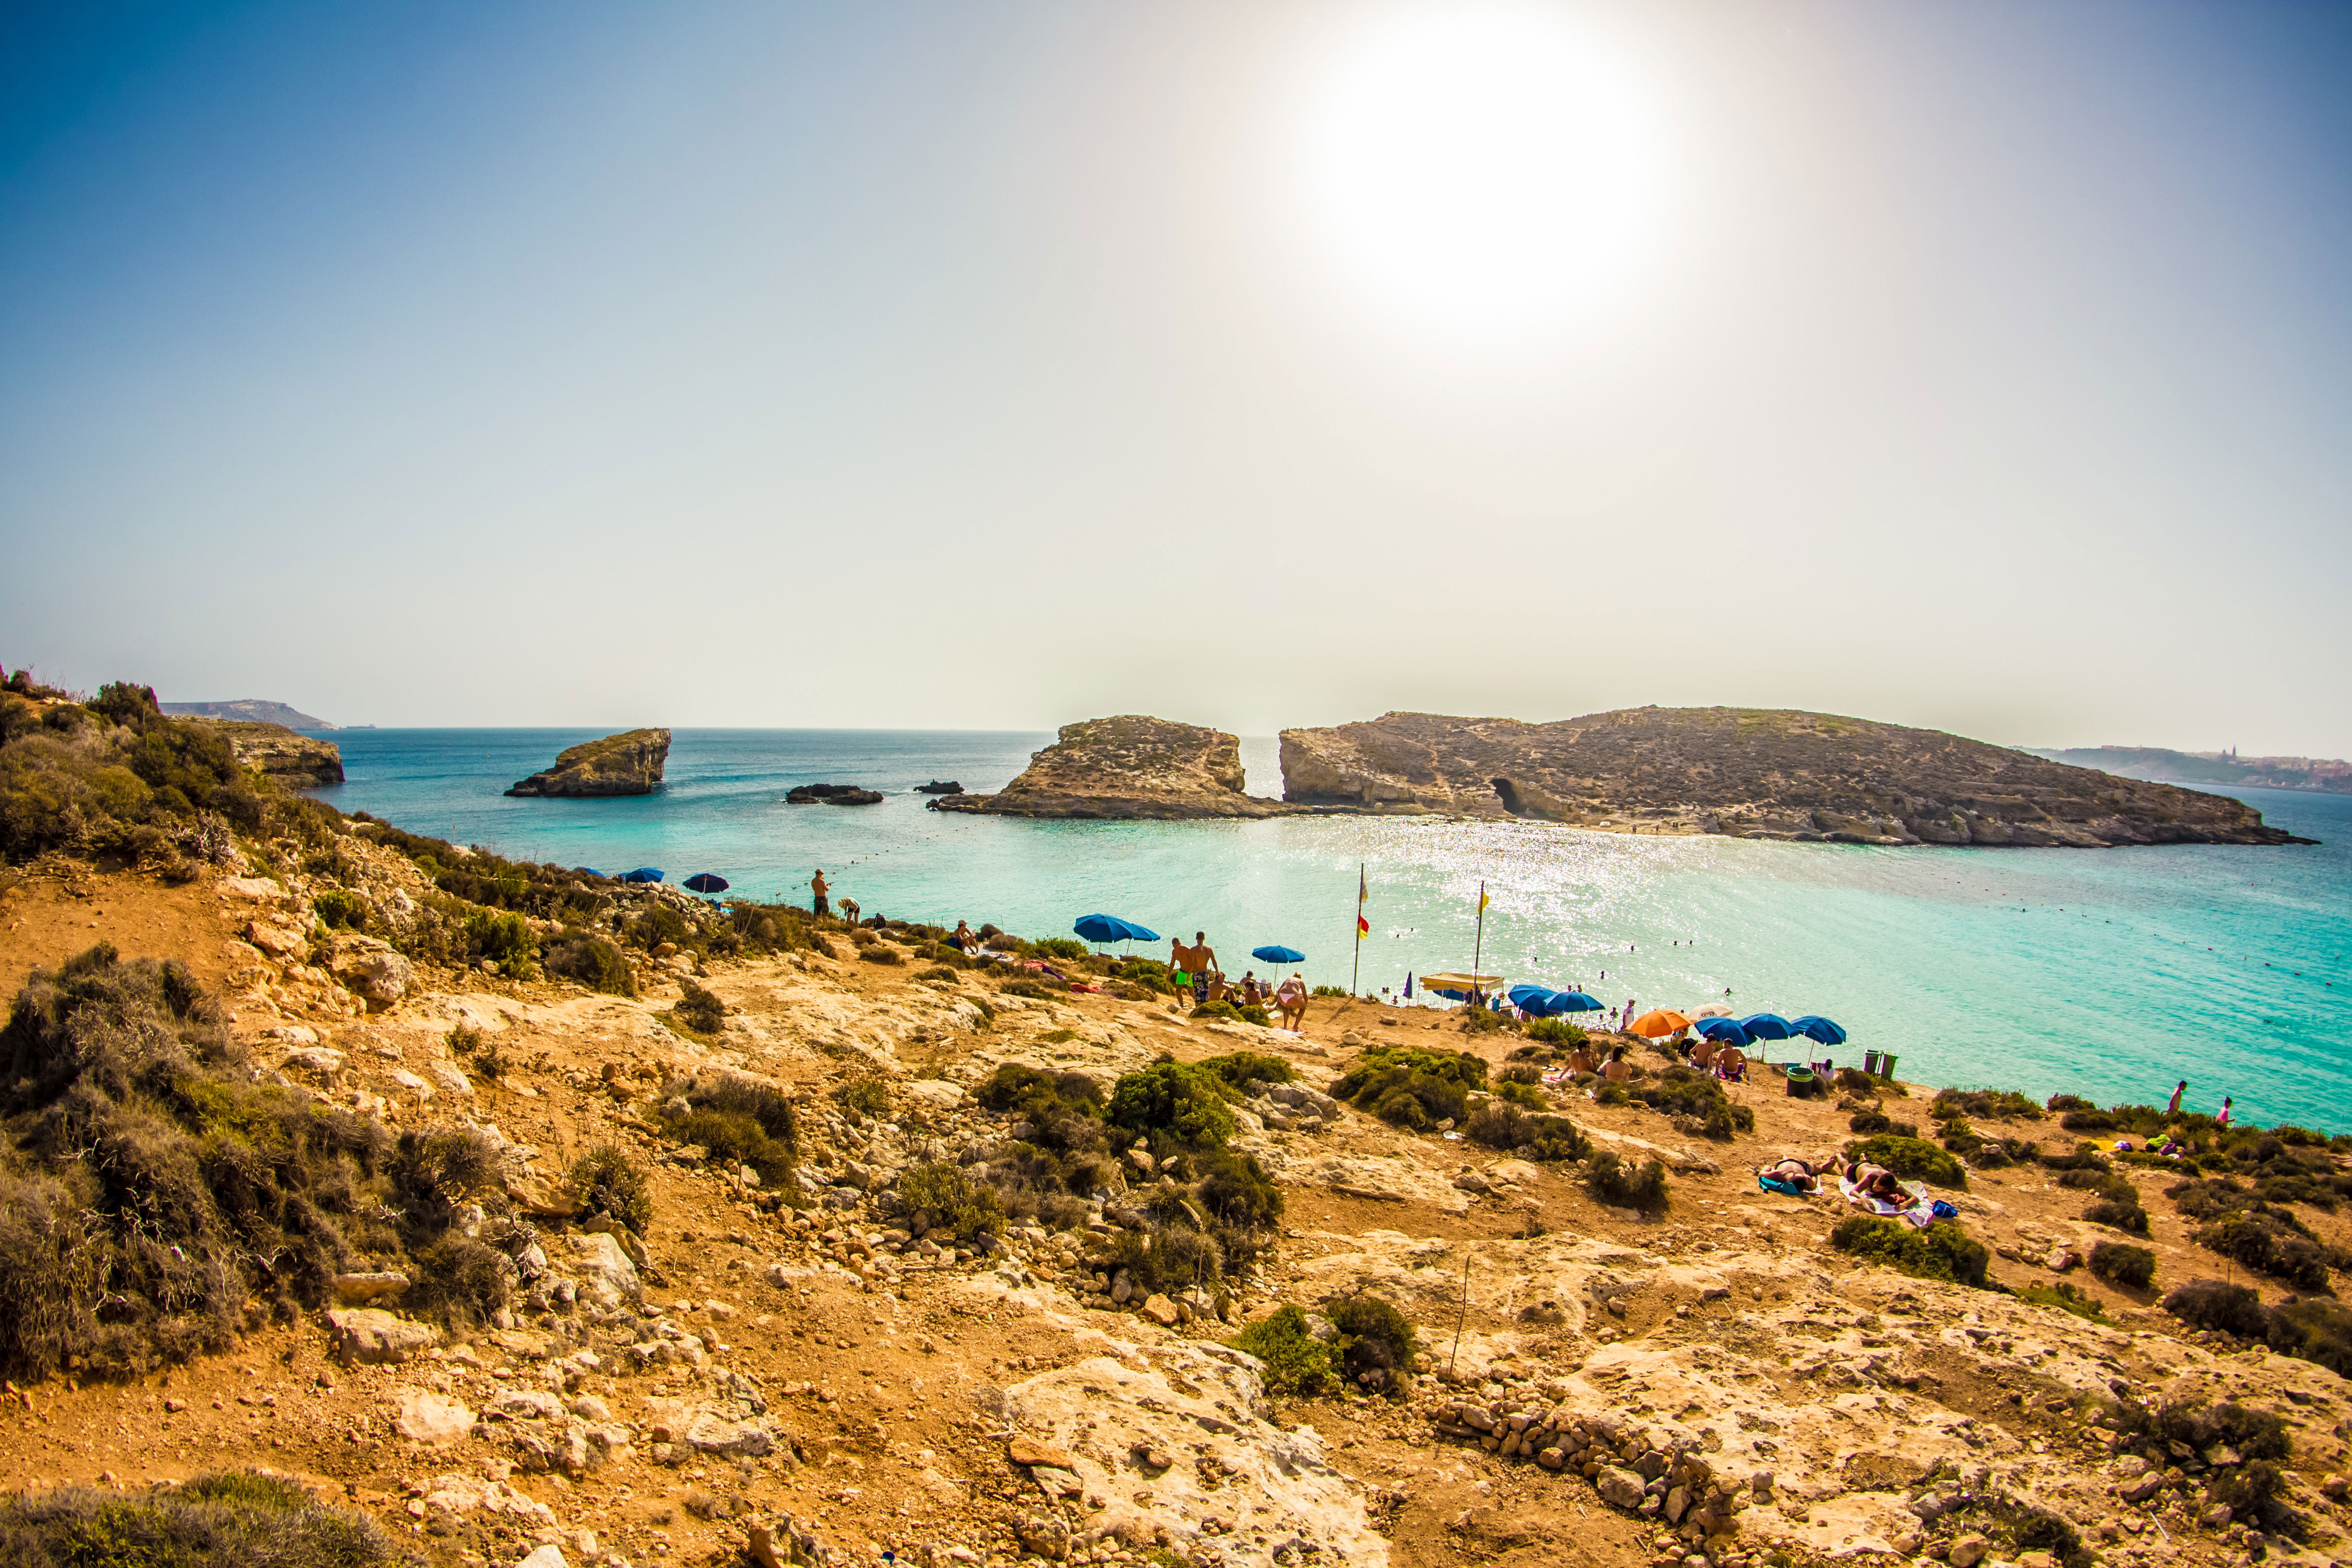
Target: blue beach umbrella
[[1576, 1002], [642, 874], [706, 882], [1274, 953], [1817, 1029], [1099, 928], [1723, 1031], [591, 871], [1538, 1000], [1768, 1026]]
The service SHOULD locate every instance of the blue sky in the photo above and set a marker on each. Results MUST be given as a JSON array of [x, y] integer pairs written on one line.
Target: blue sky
[[995, 364]]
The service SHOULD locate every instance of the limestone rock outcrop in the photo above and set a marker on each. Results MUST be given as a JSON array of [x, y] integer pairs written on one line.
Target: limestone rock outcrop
[[1748, 773], [627, 764], [296, 760], [1127, 768]]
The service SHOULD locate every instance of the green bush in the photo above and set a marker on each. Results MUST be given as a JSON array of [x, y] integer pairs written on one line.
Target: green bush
[[2314, 1328], [1237, 1192], [657, 923], [505, 940], [1685, 1091], [1911, 1158], [591, 961], [940, 973], [2212, 1304], [2248, 1489], [1059, 947], [1526, 1096], [2001, 1104], [235, 1518], [1295, 1361], [1182, 1103], [339, 911], [1411, 1089], [698, 1009], [1942, 1251], [863, 1096], [1326, 990], [2262, 1242], [2128, 1216], [880, 953], [938, 1196], [1172, 1257], [1499, 1124], [1242, 1069], [607, 1182], [1619, 1184], [1232, 1012], [2120, 1263], [1377, 1341], [1557, 1031]]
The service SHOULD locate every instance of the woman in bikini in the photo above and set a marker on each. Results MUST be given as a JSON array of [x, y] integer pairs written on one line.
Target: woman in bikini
[[1874, 1181]]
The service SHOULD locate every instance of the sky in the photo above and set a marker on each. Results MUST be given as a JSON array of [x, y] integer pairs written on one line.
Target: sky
[[1981, 364]]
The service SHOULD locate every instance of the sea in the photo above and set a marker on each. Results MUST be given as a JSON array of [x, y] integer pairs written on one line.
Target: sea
[[2109, 974]]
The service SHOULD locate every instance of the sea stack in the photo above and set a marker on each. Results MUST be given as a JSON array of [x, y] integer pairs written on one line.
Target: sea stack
[[1749, 772], [626, 764], [1127, 768], [831, 795]]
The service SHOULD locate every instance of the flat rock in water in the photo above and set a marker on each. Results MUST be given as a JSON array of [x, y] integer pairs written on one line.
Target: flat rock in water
[[1129, 768], [831, 795]]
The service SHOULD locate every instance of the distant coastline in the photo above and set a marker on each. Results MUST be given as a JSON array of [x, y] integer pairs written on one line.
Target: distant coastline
[[2195, 769]]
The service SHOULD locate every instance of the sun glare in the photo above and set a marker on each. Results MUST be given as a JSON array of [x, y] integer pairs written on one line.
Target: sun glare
[[1479, 173]]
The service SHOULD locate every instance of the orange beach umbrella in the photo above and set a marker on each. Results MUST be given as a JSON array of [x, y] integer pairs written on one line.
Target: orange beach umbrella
[[1658, 1025]]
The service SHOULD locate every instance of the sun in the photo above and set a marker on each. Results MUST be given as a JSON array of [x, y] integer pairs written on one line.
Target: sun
[[1479, 171]]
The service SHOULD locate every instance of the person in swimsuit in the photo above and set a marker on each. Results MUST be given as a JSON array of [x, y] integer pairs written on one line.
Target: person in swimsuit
[[1179, 963], [1291, 997], [820, 887], [2178, 1090], [1202, 962], [1619, 1069], [1874, 1181]]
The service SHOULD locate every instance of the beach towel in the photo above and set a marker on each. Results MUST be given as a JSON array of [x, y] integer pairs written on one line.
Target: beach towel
[[1917, 1210], [1787, 1186]]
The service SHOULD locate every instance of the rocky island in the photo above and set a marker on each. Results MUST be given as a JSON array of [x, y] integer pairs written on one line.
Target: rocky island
[[831, 795], [626, 764], [298, 761], [1748, 773], [1127, 768]]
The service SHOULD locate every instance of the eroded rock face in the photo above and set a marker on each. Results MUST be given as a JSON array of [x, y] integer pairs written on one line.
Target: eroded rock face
[[296, 760], [626, 764], [1127, 768], [1748, 773]]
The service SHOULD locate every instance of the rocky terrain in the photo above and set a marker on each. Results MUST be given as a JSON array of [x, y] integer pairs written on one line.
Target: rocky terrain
[[1749, 774], [248, 709], [784, 1370], [2329, 775], [831, 795], [1127, 768], [298, 761], [627, 764]]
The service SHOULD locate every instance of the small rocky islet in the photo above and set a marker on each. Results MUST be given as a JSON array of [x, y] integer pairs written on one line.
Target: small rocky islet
[[627, 764]]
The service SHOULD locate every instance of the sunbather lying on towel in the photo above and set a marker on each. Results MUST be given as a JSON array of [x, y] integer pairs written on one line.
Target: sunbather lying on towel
[[1792, 1176], [1875, 1190]]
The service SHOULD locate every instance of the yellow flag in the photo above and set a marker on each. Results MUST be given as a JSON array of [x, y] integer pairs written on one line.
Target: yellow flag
[[1482, 900]]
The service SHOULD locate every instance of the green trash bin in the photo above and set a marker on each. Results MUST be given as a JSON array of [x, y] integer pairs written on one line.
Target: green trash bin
[[1800, 1083], [1886, 1068]]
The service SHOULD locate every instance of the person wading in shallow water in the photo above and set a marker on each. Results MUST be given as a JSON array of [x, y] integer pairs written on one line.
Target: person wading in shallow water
[[820, 887]]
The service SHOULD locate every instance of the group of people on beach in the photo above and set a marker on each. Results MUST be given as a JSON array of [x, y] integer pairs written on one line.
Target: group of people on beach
[[1194, 968]]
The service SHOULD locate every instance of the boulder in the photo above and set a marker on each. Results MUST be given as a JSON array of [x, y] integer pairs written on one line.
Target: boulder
[[708, 1432], [431, 1419], [369, 1337], [606, 1271], [1967, 1551], [369, 969], [1619, 1487], [548, 1555], [627, 764], [1160, 1311], [358, 1290], [936, 787]]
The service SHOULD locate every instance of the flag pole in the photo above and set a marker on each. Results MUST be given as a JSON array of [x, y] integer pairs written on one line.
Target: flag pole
[[1357, 969], [1478, 951]]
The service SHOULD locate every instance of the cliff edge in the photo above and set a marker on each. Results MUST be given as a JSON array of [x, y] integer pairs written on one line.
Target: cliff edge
[[1131, 767], [298, 761], [1748, 773], [627, 764]]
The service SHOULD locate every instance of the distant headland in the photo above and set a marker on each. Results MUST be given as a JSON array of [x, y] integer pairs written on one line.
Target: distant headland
[[2327, 775], [251, 709]]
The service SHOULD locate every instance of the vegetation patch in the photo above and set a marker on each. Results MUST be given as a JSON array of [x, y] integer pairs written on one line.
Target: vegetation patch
[[698, 1009], [1501, 1124], [1243, 1069], [1376, 1342], [1182, 1103], [938, 1196], [1942, 1251], [1911, 1158], [2249, 1488], [1686, 1091], [591, 961], [1619, 1184], [1411, 1089], [1996, 1104], [151, 1193], [2066, 1299], [605, 1181], [2121, 1264], [234, 1518], [1295, 1361]]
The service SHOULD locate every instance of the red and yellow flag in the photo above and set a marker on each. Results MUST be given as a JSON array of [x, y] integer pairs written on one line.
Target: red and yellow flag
[[1363, 891]]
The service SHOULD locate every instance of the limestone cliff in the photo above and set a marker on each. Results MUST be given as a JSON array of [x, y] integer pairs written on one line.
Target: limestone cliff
[[298, 761], [627, 764], [1125, 768], [1748, 773]]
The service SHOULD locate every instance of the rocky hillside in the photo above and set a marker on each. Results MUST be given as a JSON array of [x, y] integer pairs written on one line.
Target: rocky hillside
[[805, 1245], [298, 761], [1127, 768], [1751, 774], [627, 764]]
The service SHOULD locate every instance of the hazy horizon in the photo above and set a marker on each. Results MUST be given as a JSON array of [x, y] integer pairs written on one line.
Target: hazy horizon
[[1976, 366]]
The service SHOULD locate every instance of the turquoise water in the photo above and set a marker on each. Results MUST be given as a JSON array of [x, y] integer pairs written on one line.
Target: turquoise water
[[2105, 972]]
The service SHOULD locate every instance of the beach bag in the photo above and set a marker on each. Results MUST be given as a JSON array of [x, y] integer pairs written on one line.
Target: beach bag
[[1781, 1185], [1942, 1210]]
